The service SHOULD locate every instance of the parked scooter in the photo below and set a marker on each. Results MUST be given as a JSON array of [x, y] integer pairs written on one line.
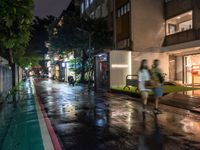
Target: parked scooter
[[71, 80]]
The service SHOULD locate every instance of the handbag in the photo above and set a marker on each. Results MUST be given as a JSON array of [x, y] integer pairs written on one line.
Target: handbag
[[149, 84]]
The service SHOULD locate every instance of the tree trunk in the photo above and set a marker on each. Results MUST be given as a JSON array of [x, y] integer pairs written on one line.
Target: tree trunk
[[83, 63], [12, 64], [83, 71]]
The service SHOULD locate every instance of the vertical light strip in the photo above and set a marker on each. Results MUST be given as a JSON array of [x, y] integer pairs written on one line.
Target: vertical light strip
[[130, 62]]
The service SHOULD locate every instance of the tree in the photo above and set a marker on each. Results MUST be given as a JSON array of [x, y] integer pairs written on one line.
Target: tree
[[15, 23], [39, 34], [74, 34]]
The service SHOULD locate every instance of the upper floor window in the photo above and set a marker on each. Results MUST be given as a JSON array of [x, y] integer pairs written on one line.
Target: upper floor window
[[98, 11], [87, 3], [82, 7], [92, 15], [91, 1], [179, 23], [123, 10]]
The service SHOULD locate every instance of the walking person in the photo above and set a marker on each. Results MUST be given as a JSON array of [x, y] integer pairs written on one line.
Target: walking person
[[143, 77], [158, 79]]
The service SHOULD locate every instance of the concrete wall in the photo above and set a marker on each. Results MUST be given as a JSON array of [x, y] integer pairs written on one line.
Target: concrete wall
[[17, 76], [5, 78], [105, 8], [138, 56], [176, 7], [148, 24], [120, 67], [196, 14]]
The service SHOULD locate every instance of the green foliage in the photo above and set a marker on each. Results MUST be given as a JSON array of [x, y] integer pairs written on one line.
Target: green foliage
[[15, 22], [101, 35], [14, 89], [74, 34], [29, 61], [166, 89], [39, 35], [67, 36]]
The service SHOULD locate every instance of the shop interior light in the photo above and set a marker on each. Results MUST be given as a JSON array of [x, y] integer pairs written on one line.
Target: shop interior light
[[119, 66], [63, 64]]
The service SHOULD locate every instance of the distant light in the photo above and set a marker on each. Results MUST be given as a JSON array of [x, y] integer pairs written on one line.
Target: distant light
[[48, 63], [26, 68], [178, 17], [56, 58], [63, 64]]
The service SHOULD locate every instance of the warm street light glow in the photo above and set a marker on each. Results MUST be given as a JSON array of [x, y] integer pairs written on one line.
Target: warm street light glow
[[119, 66]]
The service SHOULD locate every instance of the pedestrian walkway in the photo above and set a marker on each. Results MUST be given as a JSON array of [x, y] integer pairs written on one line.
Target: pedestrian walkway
[[21, 127], [189, 100]]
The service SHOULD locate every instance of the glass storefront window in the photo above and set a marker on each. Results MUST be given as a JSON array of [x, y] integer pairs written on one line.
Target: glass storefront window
[[192, 67]]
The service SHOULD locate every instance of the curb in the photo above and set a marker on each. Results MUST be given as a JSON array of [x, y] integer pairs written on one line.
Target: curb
[[51, 131], [52, 134]]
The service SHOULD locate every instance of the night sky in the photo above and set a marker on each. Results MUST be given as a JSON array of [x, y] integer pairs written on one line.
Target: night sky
[[44, 8]]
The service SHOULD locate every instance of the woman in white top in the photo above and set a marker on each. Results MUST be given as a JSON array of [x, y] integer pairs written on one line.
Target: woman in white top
[[143, 76]]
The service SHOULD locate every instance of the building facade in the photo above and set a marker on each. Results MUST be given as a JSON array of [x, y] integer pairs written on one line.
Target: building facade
[[150, 29], [100, 9], [59, 65], [182, 40], [96, 8]]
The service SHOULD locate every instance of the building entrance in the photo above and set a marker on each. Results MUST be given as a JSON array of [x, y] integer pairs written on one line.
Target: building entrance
[[192, 69]]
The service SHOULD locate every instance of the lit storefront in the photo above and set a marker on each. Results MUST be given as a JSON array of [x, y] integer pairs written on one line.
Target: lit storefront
[[56, 72], [192, 69], [184, 66]]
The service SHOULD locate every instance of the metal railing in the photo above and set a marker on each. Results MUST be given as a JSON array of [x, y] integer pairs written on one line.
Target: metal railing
[[182, 37]]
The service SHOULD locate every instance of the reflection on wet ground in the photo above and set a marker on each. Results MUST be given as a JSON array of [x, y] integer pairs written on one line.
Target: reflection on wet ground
[[19, 125], [106, 121]]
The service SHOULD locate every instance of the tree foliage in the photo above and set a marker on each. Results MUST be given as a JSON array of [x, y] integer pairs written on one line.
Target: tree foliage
[[15, 23], [73, 34], [39, 35], [69, 36]]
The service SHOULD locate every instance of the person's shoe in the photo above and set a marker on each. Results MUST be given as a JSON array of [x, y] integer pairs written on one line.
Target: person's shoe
[[157, 111]]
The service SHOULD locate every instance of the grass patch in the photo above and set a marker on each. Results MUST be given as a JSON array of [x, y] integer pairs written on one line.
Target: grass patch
[[166, 89]]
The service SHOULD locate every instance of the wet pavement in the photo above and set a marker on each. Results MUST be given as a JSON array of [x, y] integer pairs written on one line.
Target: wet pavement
[[106, 121], [19, 125], [189, 100]]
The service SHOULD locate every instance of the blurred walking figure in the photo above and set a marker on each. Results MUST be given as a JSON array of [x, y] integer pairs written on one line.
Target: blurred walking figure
[[143, 77], [158, 79]]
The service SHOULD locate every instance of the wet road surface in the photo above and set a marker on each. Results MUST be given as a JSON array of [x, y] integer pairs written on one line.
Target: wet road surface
[[106, 121]]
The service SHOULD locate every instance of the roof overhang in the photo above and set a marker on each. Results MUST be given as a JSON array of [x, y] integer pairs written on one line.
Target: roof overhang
[[183, 47]]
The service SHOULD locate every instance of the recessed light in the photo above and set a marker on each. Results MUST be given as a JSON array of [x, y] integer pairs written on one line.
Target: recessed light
[[178, 17]]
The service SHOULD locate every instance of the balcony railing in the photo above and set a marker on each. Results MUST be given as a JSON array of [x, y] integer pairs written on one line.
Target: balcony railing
[[182, 37]]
